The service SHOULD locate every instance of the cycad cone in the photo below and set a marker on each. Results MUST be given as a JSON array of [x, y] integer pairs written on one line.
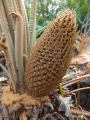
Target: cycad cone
[[50, 57]]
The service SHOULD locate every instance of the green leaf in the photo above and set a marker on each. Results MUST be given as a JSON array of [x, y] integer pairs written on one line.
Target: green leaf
[[83, 11], [81, 2]]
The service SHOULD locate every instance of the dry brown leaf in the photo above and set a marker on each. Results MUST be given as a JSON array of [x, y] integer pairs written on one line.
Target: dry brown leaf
[[23, 116], [80, 59], [84, 51], [88, 45], [78, 46], [87, 69], [79, 43]]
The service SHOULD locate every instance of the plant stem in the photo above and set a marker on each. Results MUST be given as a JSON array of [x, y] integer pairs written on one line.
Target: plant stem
[[60, 90]]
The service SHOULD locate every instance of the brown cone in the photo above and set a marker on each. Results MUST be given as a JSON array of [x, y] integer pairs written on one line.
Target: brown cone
[[51, 55]]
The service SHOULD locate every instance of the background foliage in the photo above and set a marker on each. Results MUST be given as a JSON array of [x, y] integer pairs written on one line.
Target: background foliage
[[47, 10]]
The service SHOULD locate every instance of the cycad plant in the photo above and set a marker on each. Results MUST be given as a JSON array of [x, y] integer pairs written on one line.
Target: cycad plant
[[19, 39], [50, 57]]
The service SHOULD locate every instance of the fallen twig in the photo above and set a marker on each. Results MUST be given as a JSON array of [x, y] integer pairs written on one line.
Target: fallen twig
[[14, 117], [73, 76], [49, 117], [4, 69], [59, 115], [34, 113], [79, 112], [85, 88], [5, 112], [48, 104], [75, 80]]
